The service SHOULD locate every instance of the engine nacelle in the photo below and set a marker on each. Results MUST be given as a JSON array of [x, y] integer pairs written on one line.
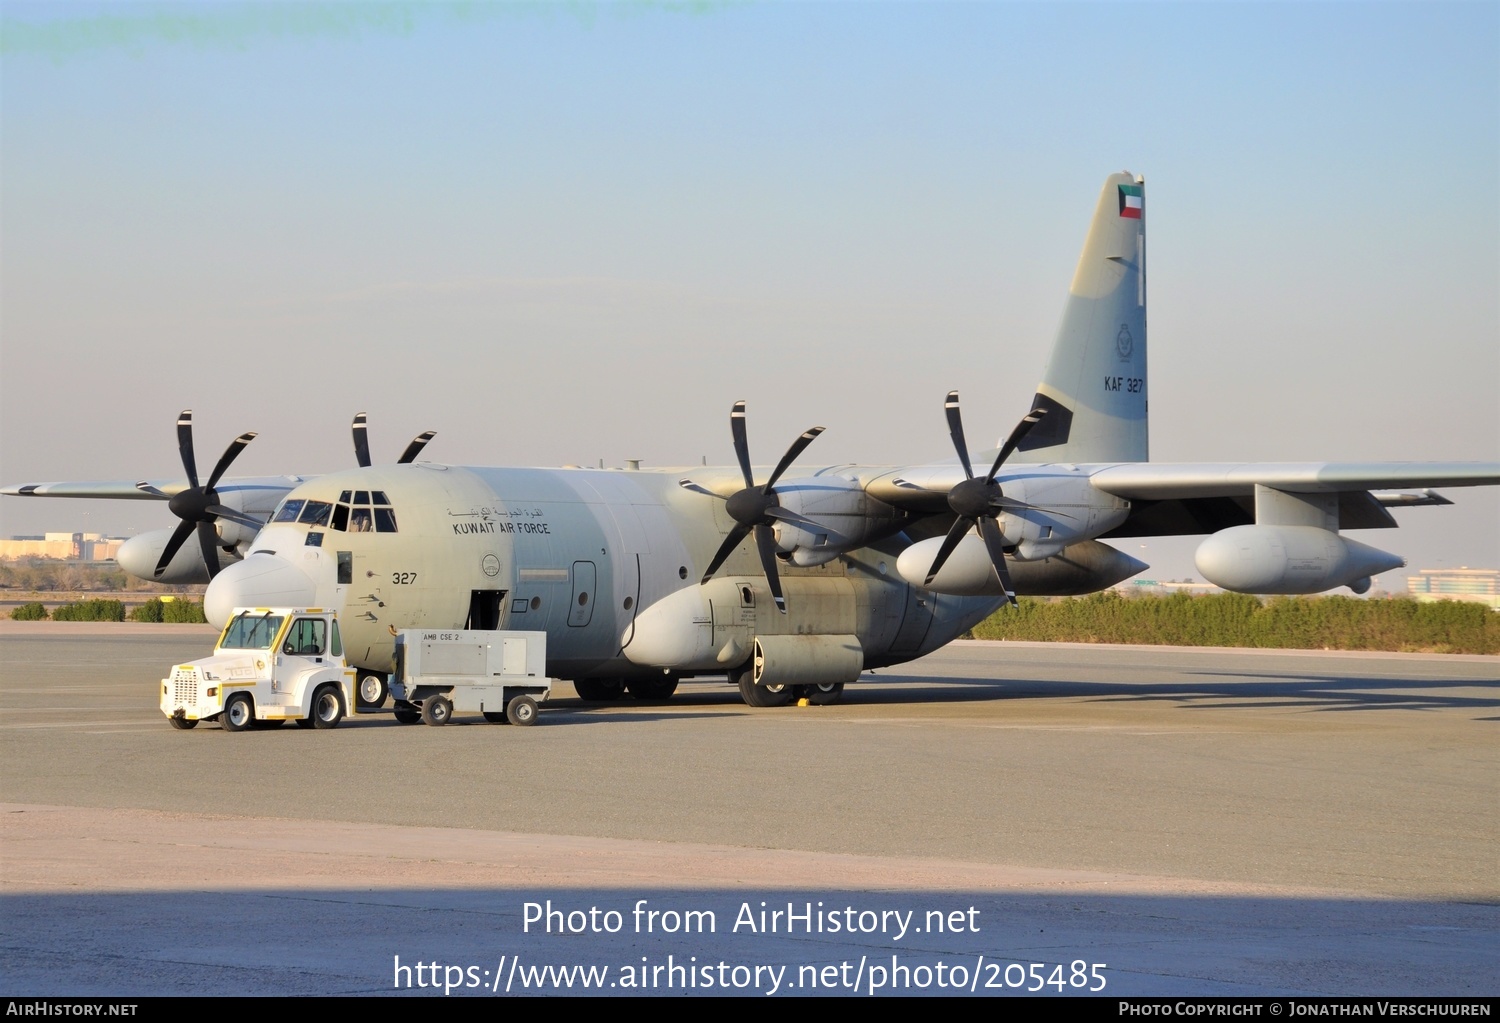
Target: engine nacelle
[[139, 556], [850, 516], [807, 660], [1289, 559], [1079, 568]]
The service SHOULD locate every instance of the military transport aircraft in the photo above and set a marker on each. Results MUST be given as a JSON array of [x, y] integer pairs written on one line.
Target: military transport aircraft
[[789, 581]]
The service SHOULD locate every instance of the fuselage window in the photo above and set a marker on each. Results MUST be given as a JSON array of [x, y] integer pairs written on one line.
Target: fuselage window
[[340, 517], [385, 520], [361, 497], [360, 521], [288, 511], [316, 513]]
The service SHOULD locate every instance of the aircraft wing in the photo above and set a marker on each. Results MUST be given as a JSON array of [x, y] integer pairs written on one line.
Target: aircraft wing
[[1149, 481], [132, 490]]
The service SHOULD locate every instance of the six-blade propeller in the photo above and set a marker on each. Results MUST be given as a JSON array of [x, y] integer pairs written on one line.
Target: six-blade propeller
[[757, 509], [980, 501], [198, 506]]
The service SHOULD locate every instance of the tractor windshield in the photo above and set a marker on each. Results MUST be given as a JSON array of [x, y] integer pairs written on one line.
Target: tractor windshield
[[251, 631]]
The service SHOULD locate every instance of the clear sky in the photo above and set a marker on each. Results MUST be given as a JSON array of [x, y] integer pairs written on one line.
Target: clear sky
[[560, 233]]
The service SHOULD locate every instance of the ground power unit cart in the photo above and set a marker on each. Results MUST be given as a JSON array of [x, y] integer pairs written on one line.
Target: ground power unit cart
[[439, 673]]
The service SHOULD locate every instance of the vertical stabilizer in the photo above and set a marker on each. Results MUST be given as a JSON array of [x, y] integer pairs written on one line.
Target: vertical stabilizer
[[1095, 386]]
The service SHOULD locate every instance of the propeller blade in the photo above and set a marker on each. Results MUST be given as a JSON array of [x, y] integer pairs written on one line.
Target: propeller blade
[[230, 454], [996, 545], [147, 488], [959, 529], [208, 540], [798, 446], [415, 447], [767, 544], [185, 446], [803, 522], [956, 431], [220, 511], [741, 441], [1016, 436], [737, 534], [179, 537], [687, 484], [361, 440]]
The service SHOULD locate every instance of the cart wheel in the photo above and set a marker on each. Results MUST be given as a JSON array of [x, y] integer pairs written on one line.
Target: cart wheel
[[521, 711], [327, 707], [437, 710], [183, 723], [495, 717], [238, 713], [407, 714]]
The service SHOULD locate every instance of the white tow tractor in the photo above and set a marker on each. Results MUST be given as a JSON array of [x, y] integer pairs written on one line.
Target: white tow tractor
[[271, 665], [502, 675]]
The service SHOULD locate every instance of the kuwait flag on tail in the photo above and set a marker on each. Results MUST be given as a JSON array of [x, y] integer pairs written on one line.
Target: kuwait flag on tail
[[1132, 201]]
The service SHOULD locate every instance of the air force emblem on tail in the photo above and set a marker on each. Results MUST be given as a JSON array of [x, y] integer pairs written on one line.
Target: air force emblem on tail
[[1132, 201]]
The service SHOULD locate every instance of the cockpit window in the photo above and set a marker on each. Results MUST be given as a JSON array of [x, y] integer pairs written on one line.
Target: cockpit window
[[252, 631], [316, 513], [369, 512], [288, 511]]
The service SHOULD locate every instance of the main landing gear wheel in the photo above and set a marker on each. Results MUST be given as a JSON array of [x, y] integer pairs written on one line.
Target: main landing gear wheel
[[521, 711], [371, 691], [824, 693], [599, 690], [182, 723], [238, 713], [406, 714], [437, 710], [763, 696], [327, 707], [652, 689]]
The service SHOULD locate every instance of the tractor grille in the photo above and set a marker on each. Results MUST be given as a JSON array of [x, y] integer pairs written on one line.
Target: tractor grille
[[185, 687]]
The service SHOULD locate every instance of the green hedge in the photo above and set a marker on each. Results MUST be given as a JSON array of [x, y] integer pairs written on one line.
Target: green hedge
[[171, 611], [98, 610], [1236, 619], [35, 611]]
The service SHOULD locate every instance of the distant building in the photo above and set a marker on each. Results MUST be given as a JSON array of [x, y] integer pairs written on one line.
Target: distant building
[[1481, 585], [63, 546]]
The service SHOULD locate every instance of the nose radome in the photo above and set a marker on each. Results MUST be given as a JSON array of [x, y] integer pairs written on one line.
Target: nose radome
[[261, 580]]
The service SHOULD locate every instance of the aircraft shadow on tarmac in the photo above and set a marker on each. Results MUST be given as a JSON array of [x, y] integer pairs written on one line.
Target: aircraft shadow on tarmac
[[1217, 690], [355, 941]]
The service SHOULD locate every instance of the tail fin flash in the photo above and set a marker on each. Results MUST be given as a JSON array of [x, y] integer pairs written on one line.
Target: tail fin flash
[[1094, 390]]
